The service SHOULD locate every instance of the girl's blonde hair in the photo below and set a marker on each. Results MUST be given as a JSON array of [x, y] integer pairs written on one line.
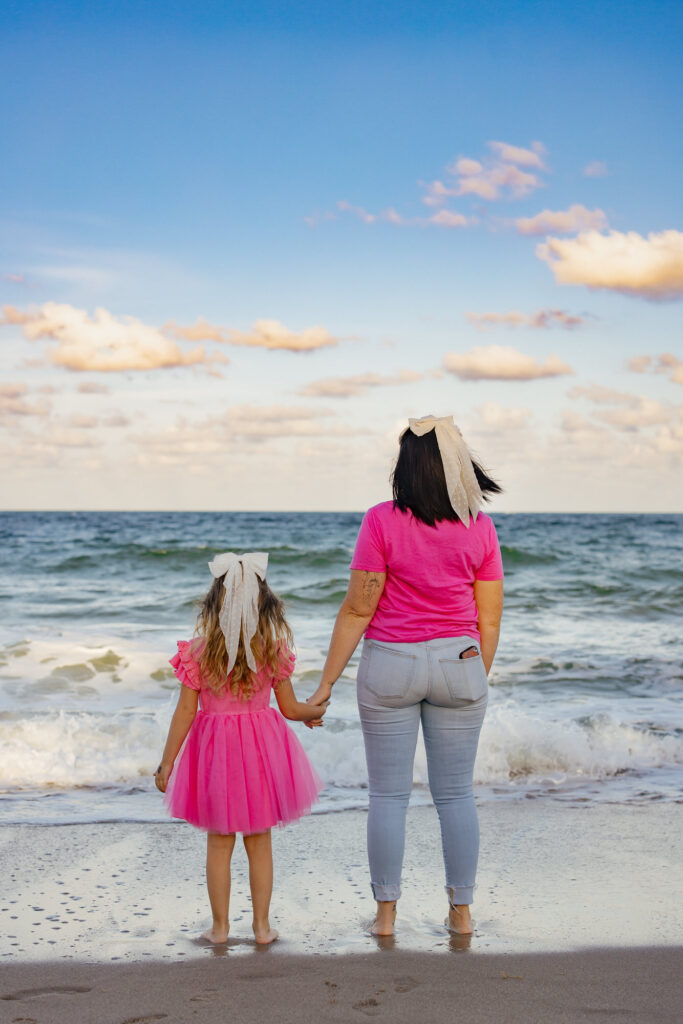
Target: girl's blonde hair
[[271, 636]]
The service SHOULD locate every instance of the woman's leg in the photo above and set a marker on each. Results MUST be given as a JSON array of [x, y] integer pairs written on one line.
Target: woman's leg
[[218, 855], [390, 736], [260, 853], [451, 738]]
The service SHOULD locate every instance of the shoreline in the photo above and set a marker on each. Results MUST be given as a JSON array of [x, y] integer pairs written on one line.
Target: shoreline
[[552, 878]]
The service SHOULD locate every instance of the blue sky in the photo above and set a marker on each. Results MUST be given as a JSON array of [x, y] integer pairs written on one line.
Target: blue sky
[[271, 162]]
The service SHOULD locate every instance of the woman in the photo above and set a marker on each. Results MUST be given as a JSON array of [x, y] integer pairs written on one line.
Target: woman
[[426, 589]]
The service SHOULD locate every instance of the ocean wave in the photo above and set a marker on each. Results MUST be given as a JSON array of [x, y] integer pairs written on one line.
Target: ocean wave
[[522, 556], [121, 557], [72, 749]]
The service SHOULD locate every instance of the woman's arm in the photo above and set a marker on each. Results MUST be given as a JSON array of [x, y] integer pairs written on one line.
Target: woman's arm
[[357, 609], [488, 595], [183, 717], [293, 709]]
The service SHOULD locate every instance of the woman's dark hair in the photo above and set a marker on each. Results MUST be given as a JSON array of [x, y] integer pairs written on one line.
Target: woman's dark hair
[[419, 483]]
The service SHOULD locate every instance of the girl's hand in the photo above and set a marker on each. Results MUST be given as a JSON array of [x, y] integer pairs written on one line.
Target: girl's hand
[[161, 777], [314, 723], [322, 694]]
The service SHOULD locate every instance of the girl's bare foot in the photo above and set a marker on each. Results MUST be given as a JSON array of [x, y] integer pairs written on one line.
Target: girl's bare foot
[[263, 933], [459, 921], [216, 935], [385, 920]]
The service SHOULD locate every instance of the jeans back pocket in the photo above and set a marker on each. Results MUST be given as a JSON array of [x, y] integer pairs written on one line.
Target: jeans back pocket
[[386, 672], [465, 677]]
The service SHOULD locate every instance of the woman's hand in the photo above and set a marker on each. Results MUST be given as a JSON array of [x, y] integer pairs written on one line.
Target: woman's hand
[[322, 694], [320, 697], [161, 776]]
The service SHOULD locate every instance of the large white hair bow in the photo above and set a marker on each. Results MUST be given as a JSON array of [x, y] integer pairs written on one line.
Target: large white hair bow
[[239, 611], [463, 486]]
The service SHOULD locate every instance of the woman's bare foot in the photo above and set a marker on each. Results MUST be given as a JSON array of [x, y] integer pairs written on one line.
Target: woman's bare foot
[[385, 919], [216, 935], [263, 933], [459, 920]]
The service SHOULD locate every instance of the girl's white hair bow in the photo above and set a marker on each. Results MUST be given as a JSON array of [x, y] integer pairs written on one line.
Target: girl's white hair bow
[[461, 482], [239, 611]]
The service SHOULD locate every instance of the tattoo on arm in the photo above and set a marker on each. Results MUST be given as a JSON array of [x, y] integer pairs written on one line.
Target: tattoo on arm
[[371, 584]]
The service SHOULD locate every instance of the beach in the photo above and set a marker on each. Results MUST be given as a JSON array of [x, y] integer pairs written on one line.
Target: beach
[[104, 920], [577, 782]]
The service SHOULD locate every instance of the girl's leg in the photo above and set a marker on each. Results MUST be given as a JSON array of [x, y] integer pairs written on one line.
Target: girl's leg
[[218, 855], [451, 738], [260, 853]]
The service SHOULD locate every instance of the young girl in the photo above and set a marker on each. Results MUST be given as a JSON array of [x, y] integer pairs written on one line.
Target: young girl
[[241, 768]]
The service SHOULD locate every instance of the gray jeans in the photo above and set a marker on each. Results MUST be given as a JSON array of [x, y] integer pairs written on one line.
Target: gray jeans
[[400, 685]]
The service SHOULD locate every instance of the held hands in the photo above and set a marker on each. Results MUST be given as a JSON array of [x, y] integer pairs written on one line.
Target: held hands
[[314, 723], [321, 697], [161, 776]]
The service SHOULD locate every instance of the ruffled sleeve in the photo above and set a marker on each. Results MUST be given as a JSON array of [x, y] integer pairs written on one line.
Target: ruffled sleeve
[[185, 667], [285, 666]]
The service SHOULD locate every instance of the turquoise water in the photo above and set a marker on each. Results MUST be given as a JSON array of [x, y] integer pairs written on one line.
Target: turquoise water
[[585, 691]]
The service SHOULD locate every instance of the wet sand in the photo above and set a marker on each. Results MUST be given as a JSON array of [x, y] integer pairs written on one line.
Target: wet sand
[[635, 985], [568, 899]]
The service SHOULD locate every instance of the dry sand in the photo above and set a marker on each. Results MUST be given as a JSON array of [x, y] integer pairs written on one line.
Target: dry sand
[[558, 886]]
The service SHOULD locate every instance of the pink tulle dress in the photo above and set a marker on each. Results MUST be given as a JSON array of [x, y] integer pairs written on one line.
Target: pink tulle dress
[[241, 768]]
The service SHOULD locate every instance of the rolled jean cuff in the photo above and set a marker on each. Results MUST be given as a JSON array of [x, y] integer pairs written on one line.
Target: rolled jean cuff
[[385, 893], [461, 894]]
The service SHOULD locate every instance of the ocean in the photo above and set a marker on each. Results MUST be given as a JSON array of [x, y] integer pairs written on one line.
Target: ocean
[[585, 690]]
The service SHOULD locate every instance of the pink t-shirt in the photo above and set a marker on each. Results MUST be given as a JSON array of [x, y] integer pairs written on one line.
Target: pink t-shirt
[[429, 589]]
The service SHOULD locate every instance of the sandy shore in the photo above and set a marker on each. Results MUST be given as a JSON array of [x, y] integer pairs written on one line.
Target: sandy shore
[[636, 985], [558, 886]]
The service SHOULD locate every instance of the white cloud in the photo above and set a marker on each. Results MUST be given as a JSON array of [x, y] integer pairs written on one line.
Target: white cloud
[[274, 335], [540, 319], [82, 422], [263, 334], [509, 173], [599, 395], [493, 181], [346, 387], [623, 410], [492, 178], [104, 343], [270, 334], [647, 413], [518, 155], [494, 418], [649, 267], [666, 363], [449, 219], [357, 211], [240, 430], [595, 169], [14, 402], [498, 363], [564, 222], [442, 219]]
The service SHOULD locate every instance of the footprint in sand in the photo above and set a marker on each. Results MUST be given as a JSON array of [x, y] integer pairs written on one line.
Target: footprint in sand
[[405, 984], [147, 1019], [370, 1007], [55, 990]]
